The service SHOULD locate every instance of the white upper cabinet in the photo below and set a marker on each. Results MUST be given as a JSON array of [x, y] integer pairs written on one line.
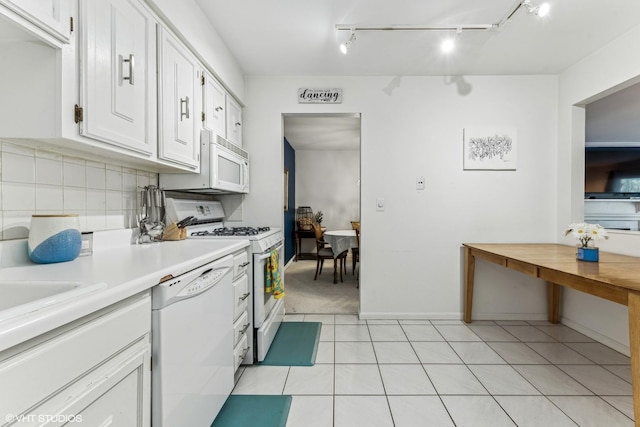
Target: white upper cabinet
[[52, 16], [222, 114], [118, 79], [179, 102], [117, 85], [215, 99], [234, 121]]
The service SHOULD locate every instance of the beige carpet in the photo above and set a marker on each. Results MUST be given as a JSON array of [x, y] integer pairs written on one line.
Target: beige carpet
[[322, 296]]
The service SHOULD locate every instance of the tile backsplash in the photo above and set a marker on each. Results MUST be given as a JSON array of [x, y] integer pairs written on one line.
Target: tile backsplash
[[33, 181]]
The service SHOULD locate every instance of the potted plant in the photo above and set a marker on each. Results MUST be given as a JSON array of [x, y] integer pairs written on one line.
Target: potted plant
[[586, 234], [319, 217]]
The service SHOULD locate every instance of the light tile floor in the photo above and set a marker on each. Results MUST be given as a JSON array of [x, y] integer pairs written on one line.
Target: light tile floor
[[446, 373]]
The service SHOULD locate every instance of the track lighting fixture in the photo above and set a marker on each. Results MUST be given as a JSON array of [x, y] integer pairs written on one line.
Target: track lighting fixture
[[449, 44], [541, 10], [344, 47]]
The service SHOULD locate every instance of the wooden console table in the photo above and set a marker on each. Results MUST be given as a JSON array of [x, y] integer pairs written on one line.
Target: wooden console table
[[615, 278], [298, 235]]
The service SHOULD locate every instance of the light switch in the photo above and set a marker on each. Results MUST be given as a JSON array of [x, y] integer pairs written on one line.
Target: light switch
[[420, 183], [379, 204]]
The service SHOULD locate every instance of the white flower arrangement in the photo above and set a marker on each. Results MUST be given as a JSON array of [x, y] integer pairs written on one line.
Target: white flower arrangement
[[586, 233]]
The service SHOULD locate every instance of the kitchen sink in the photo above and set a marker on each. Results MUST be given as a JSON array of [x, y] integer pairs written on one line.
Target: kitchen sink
[[21, 297]]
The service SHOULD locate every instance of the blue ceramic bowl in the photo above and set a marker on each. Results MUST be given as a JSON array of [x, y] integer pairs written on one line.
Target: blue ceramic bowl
[[61, 247]]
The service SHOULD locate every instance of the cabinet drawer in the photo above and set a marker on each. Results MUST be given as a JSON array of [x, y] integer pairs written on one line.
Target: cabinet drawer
[[31, 372], [239, 352], [240, 327], [240, 295], [240, 263]]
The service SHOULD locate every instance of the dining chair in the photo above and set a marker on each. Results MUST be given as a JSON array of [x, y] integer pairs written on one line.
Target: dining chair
[[355, 252], [324, 252]]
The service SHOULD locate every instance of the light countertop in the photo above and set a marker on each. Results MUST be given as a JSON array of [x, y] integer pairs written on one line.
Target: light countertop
[[125, 269]]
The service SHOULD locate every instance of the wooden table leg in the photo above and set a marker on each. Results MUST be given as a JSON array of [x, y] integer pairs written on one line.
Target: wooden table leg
[[634, 347], [469, 270], [335, 270], [554, 293]]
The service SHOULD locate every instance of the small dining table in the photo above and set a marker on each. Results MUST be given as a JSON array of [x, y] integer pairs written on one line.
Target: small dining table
[[340, 241], [615, 278]]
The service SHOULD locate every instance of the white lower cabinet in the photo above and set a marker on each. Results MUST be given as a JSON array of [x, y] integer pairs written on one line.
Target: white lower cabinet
[[240, 352], [240, 327], [94, 371], [241, 295], [242, 309]]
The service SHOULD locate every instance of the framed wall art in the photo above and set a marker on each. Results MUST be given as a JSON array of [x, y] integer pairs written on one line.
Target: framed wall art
[[490, 148]]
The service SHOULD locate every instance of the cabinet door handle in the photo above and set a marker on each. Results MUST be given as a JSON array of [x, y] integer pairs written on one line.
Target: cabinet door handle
[[244, 297], [244, 328], [184, 112], [218, 108], [132, 64], [238, 124], [244, 264]]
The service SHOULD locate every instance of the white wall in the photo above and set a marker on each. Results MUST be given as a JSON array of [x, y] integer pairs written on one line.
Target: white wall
[[44, 182], [615, 117], [613, 67], [327, 180], [410, 255]]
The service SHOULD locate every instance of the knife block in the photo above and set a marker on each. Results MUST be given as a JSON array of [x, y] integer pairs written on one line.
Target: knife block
[[172, 232]]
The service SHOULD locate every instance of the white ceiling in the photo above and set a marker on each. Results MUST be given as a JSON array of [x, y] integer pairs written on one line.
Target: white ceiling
[[294, 37], [335, 132]]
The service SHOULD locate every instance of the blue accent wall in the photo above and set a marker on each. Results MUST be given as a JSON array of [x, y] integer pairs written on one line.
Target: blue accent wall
[[290, 215]]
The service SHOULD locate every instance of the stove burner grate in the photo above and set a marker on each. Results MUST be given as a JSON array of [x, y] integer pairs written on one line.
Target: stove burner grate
[[232, 231]]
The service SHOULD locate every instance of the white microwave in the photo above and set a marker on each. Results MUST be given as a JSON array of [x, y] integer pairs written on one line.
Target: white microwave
[[224, 168]]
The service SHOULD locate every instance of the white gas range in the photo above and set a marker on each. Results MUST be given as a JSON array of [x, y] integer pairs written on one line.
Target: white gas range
[[206, 221]]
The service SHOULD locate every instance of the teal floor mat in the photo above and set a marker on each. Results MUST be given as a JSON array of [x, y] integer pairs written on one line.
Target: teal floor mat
[[249, 410], [295, 344]]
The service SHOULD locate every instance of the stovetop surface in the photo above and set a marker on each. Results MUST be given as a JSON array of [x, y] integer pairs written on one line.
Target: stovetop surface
[[265, 240], [232, 231]]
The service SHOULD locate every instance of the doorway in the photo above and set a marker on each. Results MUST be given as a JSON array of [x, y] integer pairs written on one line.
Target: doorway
[[612, 159], [322, 164]]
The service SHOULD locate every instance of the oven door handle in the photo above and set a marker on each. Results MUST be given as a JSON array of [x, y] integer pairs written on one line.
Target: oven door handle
[[268, 254]]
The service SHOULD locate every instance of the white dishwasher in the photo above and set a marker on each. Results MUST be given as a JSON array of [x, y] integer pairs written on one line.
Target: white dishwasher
[[192, 338]]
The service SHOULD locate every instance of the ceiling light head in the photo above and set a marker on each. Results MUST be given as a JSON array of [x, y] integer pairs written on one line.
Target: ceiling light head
[[449, 44], [344, 47], [541, 10]]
